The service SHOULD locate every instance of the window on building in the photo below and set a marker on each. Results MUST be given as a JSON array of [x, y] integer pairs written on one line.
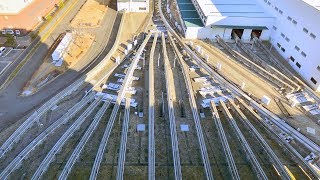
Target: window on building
[[281, 12], [313, 36], [276, 8], [305, 30], [289, 18], [283, 49], [282, 35], [318, 68], [313, 80], [265, 1], [279, 46], [297, 48], [294, 22], [269, 3], [274, 28], [298, 65], [292, 59], [303, 54], [287, 39]]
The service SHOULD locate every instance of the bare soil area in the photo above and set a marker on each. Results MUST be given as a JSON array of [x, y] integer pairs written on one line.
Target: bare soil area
[[48, 71], [90, 15]]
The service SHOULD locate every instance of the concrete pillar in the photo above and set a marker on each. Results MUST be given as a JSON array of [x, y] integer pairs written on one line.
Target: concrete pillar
[[265, 34], [246, 36], [227, 34]]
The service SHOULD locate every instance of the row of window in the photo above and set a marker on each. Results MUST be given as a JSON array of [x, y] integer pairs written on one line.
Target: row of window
[[313, 36], [288, 40], [299, 65]]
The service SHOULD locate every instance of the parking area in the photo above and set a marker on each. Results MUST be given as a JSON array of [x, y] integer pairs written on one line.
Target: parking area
[[8, 56]]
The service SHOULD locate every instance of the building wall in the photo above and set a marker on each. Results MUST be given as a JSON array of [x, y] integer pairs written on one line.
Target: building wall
[[296, 35], [133, 6]]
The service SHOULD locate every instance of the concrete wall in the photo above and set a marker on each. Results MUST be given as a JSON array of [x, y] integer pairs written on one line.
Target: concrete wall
[[134, 6], [307, 17]]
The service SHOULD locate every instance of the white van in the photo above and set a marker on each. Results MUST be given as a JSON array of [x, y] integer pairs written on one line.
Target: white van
[[2, 49]]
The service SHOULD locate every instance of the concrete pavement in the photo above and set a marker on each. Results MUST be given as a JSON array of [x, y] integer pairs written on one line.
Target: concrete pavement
[[14, 107]]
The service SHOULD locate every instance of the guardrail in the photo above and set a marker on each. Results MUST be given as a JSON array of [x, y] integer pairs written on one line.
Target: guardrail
[[72, 129], [256, 165], [76, 152]]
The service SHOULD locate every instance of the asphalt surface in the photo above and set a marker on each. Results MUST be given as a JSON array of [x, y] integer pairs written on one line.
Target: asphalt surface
[[13, 107]]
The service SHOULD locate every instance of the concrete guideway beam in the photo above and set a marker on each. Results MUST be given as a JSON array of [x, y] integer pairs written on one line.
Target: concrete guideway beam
[[42, 136], [273, 157], [151, 140], [227, 151], [251, 156], [124, 138], [195, 113], [274, 80], [173, 130], [64, 138], [121, 93], [76, 153]]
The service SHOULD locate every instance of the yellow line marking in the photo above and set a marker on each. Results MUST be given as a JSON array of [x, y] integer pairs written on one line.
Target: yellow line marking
[[304, 172], [290, 173]]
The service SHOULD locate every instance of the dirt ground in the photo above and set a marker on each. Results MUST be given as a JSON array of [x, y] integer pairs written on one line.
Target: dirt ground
[[78, 48], [90, 15], [48, 71], [258, 87]]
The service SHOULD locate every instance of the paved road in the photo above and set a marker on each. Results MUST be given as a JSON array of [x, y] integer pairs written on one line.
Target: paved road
[[13, 107]]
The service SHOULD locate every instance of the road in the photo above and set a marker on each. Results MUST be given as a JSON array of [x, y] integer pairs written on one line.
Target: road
[[14, 107], [42, 137]]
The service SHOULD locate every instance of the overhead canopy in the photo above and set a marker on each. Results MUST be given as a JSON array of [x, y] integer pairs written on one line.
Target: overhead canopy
[[240, 27]]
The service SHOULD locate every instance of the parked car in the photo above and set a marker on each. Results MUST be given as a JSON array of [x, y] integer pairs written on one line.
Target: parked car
[[2, 49], [17, 32], [10, 31]]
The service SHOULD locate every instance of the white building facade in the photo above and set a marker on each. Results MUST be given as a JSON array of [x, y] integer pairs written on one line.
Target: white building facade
[[221, 17], [296, 35], [133, 5]]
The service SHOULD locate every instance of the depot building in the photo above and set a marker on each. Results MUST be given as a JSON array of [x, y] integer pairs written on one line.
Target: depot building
[[209, 18]]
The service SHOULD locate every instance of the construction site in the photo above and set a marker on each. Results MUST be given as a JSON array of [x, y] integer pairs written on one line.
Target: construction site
[[156, 105]]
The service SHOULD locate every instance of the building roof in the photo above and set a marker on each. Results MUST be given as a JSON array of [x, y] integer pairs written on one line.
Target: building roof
[[13, 6], [189, 13], [314, 3], [232, 8]]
